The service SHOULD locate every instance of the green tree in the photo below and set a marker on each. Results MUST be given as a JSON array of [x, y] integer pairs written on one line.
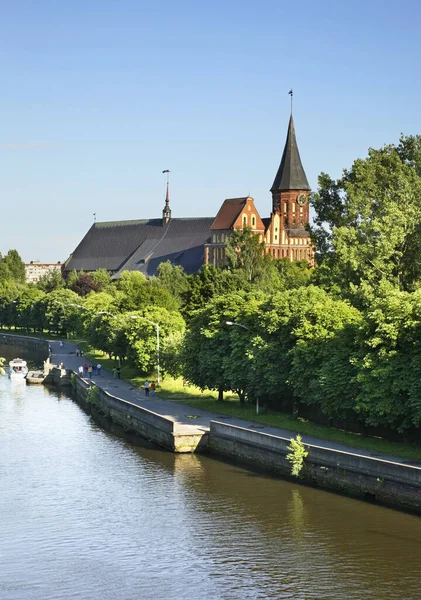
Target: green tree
[[103, 279], [323, 372], [215, 356], [53, 280], [15, 266], [137, 292], [368, 223], [246, 252], [389, 358], [140, 334], [60, 311], [173, 279]]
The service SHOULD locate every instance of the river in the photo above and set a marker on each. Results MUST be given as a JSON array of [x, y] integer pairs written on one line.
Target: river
[[86, 515]]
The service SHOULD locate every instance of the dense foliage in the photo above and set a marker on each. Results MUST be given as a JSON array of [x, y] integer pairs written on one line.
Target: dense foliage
[[343, 339]]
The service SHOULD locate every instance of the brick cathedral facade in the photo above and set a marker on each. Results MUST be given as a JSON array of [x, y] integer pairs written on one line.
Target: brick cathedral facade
[[284, 232]]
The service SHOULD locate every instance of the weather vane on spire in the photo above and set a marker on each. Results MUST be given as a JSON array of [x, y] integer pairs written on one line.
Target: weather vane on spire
[[291, 93]]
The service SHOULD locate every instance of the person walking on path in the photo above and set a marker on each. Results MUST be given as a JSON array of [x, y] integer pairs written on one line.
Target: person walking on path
[[94, 369], [146, 388], [80, 371], [77, 352], [118, 371], [85, 370], [61, 344], [98, 368], [153, 387], [114, 372], [90, 369]]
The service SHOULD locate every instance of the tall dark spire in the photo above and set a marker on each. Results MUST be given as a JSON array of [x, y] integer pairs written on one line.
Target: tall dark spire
[[290, 175], [166, 213]]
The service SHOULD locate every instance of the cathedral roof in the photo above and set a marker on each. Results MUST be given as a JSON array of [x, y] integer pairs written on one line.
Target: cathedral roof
[[228, 213], [290, 175], [142, 245]]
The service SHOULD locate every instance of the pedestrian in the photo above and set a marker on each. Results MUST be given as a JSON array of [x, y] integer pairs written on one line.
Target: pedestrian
[[50, 350], [90, 371], [118, 370], [94, 369], [77, 352], [61, 344], [85, 370], [81, 352], [80, 371], [98, 368], [114, 372], [146, 387], [153, 387]]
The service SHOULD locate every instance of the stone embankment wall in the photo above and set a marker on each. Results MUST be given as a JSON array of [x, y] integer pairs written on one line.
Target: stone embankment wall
[[389, 483], [136, 419], [23, 342]]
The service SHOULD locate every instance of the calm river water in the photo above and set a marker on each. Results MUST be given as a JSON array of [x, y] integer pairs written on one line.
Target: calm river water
[[85, 515]]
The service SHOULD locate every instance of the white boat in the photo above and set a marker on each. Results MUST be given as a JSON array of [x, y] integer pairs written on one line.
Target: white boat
[[18, 369]]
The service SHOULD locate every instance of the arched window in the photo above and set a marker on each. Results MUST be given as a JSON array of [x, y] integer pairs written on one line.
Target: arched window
[[244, 220], [253, 221]]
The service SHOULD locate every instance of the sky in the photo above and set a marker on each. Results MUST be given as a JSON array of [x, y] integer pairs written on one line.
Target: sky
[[98, 98]]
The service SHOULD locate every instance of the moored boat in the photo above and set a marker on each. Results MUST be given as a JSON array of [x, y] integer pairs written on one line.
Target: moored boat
[[18, 369], [35, 377]]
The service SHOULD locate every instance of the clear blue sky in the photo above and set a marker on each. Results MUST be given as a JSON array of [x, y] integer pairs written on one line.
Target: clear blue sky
[[99, 96]]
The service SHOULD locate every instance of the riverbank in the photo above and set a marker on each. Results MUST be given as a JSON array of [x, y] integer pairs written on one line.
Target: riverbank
[[386, 479], [391, 483], [193, 397]]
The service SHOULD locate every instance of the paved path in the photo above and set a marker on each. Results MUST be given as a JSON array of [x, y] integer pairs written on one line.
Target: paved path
[[181, 414]]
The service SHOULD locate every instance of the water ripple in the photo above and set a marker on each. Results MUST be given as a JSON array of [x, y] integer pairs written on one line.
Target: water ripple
[[84, 514]]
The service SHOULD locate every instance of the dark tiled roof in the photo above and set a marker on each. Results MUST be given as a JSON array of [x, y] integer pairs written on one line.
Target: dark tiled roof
[[266, 222], [142, 245], [228, 213], [290, 175]]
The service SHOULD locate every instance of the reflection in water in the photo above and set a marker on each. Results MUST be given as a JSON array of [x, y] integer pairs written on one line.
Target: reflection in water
[[84, 514]]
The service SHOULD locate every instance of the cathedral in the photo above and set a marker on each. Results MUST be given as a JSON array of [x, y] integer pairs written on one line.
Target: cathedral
[[284, 233], [141, 245]]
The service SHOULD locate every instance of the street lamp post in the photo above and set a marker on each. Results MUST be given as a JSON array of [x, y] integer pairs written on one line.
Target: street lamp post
[[237, 325], [231, 324]]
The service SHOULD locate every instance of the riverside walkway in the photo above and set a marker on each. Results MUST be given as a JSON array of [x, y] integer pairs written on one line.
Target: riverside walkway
[[182, 414]]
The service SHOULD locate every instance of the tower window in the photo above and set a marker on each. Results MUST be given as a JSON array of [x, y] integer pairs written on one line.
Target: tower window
[[253, 221]]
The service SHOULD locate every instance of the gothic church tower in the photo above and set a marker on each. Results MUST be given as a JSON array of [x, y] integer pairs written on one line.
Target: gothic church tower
[[287, 236]]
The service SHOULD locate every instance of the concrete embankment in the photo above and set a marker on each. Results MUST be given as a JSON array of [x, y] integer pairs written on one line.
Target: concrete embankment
[[26, 343], [387, 482], [390, 483], [161, 430]]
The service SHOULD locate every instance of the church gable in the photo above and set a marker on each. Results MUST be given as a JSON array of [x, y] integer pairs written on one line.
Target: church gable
[[249, 217]]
